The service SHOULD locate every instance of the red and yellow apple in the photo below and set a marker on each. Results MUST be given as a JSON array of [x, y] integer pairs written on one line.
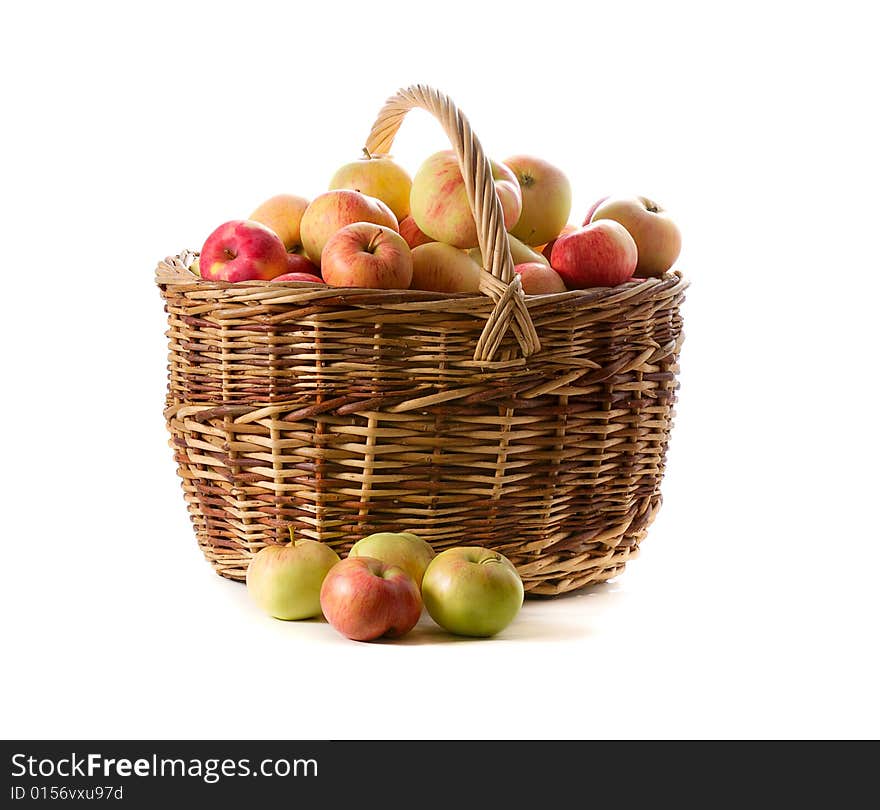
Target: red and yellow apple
[[548, 248], [439, 267], [377, 176], [403, 549], [242, 250], [333, 210], [367, 255], [472, 591], [411, 232], [593, 208], [439, 203], [602, 254], [538, 279], [300, 263], [310, 278], [656, 235], [285, 580], [283, 214], [546, 199], [365, 599]]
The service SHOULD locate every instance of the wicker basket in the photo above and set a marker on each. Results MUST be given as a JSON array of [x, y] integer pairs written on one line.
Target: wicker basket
[[534, 425]]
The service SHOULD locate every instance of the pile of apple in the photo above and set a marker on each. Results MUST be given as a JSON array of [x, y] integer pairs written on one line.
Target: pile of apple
[[380, 229], [379, 589]]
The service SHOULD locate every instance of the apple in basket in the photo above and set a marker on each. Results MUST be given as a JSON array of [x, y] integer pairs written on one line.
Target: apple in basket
[[538, 278], [602, 254], [242, 250], [472, 591], [333, 210], [366, 255], [411, 232], [403, 549], [546, 199], [548, 248], [365, 599], [378, 176], [439, 267], [656, 235], [439, 203], [300, 263], [285, 580], [283, 214], [519, 252]]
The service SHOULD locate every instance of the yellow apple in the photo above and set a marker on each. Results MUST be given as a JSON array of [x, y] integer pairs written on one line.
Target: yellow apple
[[439, 267], [546, 199], [377, 176], [519, 252], [283, 214]]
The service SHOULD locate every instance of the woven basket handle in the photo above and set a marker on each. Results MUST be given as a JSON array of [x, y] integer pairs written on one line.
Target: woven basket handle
[[499, 281]]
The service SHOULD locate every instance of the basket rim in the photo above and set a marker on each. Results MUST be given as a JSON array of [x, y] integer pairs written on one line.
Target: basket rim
[[173, 271]]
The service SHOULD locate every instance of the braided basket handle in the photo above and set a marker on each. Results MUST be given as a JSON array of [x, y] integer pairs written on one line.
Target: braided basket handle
[[498, 281]]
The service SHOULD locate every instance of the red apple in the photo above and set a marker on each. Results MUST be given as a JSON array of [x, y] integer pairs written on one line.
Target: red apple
[[657, 237], [599, 255], [300, 263], [311, 278], [242, 250], [365, 599], [538, 279], [366, 255], [593, 208], [333, 210], [439, 203], [546, 199], [548, 248], [412, 233]]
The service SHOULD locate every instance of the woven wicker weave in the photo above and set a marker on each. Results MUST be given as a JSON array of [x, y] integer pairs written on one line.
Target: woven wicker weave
[[534, 425]]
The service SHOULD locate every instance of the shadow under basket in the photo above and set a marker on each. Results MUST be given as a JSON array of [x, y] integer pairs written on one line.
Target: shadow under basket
[[537, 426]]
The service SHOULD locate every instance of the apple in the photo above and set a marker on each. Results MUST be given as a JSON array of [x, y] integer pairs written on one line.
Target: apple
[[194, 267], [520, 253], [365, 599], [310, 278], [439, 203], [548, 248], [472, 591], [333, 210], [602, 254], [402, 549], [242, 250], [411, 232], [656, 235], [300, 263], [283, 214], [366, 255], [546, 199], [439, 267], [593, 208], [378, 176], [285, 580], [537, 278]]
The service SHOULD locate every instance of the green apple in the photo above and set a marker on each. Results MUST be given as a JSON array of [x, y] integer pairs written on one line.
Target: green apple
[[472, 591], [402, 549], [521, 253], [546, 196], [285, 580]]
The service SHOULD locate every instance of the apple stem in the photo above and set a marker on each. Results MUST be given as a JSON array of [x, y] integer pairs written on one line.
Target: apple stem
[[290, 532], [229, 253], [367, 154], [372, 243]]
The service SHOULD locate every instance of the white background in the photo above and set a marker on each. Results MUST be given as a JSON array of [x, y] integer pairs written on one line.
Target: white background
[[130, 134]]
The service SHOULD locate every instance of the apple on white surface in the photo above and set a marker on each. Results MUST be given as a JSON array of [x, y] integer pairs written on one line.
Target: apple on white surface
[[402, 549], [285, 580], [656, 235], [242, 250], [472, 591], [439, 203], [546, 199], [333, 210], [377, 176], [438, 267], [367, 255], [602, 254], [365, 599]]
